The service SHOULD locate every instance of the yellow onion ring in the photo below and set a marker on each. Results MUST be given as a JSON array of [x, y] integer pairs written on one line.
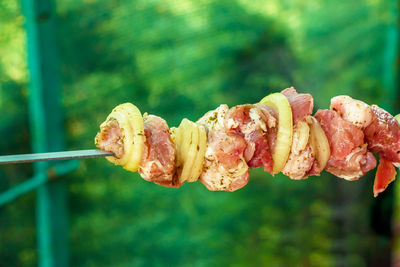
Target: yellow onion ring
[[284, 135], [130, 122]]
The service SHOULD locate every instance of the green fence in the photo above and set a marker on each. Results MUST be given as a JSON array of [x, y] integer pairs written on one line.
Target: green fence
[[179, 59]]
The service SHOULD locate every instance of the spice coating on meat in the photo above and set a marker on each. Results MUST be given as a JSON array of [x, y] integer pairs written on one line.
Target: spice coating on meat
[[158, 159], [250, 122], [280, 128], [224, 167], [352, 110], [302, 155], [110, 139]]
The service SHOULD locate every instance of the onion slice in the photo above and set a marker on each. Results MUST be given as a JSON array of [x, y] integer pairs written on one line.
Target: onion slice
[[197, 168], [191, 142], [283, 143], [397, 117], [319, 142], [130, 123]]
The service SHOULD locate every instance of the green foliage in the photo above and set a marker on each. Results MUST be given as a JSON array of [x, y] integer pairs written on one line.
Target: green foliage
[[17, 244], [180, 59], [347, 50]]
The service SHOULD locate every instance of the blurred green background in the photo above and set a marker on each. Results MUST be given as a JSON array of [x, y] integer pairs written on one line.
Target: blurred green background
[[180, 59]]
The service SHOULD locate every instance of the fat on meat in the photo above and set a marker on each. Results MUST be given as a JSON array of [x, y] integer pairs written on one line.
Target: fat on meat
[[352, 110], [270, 116], [354, 165], [251, 123]]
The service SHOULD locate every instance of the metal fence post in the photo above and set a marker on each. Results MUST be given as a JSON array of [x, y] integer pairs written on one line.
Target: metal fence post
[[46, 125]]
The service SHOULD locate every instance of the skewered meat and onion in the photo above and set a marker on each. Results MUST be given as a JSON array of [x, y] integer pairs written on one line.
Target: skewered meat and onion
[[279, 134]]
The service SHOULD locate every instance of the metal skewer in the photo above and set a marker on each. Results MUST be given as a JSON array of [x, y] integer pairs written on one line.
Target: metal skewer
[[63, 155]]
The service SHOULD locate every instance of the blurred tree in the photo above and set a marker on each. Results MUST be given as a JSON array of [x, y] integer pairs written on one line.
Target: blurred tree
[[345, 55], [17, 232], [179, 59]]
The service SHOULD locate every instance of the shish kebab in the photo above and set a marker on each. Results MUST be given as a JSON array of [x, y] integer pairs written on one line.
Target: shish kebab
[[279, 134]]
